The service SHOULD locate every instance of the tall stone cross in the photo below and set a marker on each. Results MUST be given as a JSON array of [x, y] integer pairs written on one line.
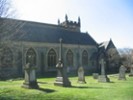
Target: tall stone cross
[[61, 79], [102, 62], [103, 77]]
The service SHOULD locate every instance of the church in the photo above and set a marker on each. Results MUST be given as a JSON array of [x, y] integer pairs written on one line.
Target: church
[[25, 42]]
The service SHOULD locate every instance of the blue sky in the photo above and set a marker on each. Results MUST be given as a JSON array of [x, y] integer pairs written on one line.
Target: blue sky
[[102, 19]]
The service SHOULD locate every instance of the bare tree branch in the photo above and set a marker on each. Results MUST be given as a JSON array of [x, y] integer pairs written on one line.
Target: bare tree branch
[[126, 56], [8, 28], [4, 8]]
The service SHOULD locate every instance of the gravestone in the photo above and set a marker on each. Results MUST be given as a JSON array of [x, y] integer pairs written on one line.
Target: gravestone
[[30, 77], [103, 77], [61, 79], [81, 77], [131, 71], [95, 75], [122, 73]]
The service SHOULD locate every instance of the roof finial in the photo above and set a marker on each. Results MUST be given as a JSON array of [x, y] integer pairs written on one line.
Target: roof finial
[[78, 19], [58, 21], [79, 23], [66, 17]]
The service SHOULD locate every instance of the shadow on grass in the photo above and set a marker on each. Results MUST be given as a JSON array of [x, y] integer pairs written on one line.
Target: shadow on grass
[[111, 82], [42, 82], [6, 98], [46, 90], [106, 82], [85, 87]]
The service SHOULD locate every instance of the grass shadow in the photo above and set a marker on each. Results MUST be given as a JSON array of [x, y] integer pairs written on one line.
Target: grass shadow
[[107, 82], [80, 87], [42, 82], [85, 87], [111, 82], [46, 90]]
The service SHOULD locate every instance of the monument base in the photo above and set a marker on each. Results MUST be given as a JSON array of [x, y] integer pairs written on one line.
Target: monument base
[[82, 82], [30, 85], [122, 78], [62, 82], [103, 78]]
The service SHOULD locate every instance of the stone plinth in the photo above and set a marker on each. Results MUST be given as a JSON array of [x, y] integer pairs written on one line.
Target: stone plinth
[[61, 79], [103, 78]]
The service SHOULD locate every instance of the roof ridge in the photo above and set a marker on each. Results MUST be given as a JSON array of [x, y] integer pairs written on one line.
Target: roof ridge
[[40, 23], [28, 21]]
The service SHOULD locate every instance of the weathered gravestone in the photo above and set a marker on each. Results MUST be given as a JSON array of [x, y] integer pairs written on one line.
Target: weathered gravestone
[[81, 77], [103, 77], [131, 71], [122, 71], [95, 75], [30, 77], [61, 79]]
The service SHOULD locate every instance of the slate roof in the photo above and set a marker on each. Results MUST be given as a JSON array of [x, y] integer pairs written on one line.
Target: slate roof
[[48, 33]]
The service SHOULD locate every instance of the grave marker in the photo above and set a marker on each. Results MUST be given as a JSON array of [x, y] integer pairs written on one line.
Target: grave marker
[[131, 71], [61, 79], [81, 77], [30, 77], [122, 75], [103, 77]]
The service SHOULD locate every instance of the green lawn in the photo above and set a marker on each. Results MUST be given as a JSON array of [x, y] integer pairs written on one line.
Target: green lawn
[[115, 90]]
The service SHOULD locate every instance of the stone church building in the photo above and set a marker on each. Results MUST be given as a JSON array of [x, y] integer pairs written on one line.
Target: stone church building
[[38, 43]]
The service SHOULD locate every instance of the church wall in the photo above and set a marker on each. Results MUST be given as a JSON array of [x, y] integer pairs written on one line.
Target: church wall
[[41, 49], [10, 69]]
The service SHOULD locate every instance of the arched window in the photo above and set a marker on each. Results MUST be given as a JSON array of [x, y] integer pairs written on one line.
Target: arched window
[[51, 58], [6, 57], [69, 58], [84, 58], [31, 57]]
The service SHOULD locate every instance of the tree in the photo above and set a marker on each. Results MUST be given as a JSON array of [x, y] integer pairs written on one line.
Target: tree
[[126, 56], [113, 60], [113, 57], [8, 28], [4, 8]]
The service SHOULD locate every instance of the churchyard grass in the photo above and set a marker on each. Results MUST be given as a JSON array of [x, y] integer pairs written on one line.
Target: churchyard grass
[[92, 90]]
